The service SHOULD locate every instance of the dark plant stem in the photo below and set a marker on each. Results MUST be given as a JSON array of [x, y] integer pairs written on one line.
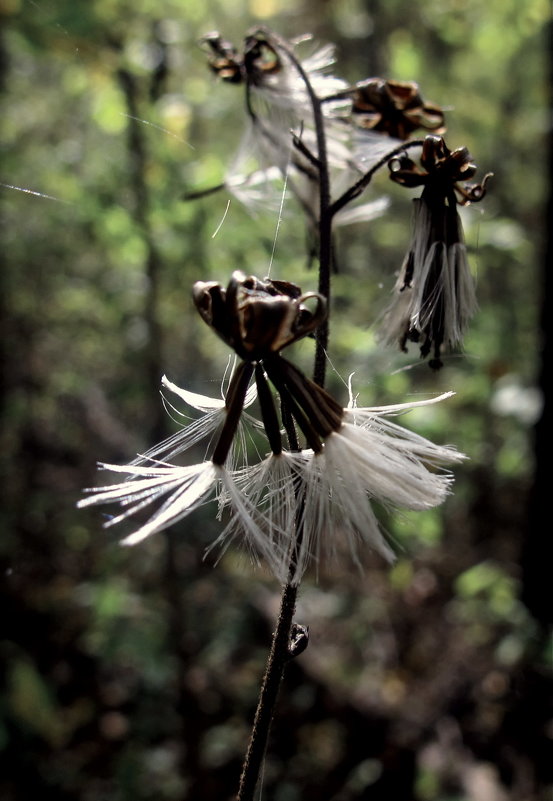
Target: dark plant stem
[[201, 193], [276, 663], [281, 651], [325, 217], [234, 403], [359, 186]]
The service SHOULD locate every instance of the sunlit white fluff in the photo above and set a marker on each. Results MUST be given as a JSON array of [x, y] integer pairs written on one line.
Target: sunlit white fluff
[[287, 89], [375, 419], [363, 212], [151, 478], [184, 489], [269, 488], [267, 155], [279, 103], [293, 509], [369, 147], [369, 457], [256, 189], [202, 428], [337, 518], [440, 292], [391, 463], [454, 288], [284, 104]]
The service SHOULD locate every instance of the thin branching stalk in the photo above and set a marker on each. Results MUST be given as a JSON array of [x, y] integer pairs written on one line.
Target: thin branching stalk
[[278, 657], [325, 215], [359, 186], [201, 193], [281, 650]]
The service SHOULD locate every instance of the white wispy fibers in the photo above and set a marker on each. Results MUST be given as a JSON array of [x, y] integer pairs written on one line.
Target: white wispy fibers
[[270, 489], [285, 87], [178, 490], [434, 295], [278, 84], [369, 147], [337, 519], [294, 509], [364, 212], [391, 463], [256, 189], [267, 154], [185, 489], [369, 457], [213, 414], [380, 432]]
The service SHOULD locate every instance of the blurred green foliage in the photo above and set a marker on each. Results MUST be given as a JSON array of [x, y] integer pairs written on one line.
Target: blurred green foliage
[[133, 674]]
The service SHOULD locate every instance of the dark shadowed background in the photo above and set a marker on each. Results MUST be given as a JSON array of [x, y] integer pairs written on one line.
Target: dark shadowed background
[[133, 673]]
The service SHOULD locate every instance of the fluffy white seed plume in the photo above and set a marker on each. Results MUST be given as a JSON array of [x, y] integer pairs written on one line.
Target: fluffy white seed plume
[[213, 415], [369, 457], [337, 517], [289, 509], [435, 289], [185, 489], [270, 487], [262, 507]]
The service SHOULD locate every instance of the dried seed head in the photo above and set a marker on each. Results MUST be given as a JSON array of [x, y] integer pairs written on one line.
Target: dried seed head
[[258, 318], [440, 172], [395, 108], [223, 58], [260, 57]]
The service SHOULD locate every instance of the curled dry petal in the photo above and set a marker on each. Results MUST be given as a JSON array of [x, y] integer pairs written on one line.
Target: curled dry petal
[[441, 172], [395, 108], [258, 318]]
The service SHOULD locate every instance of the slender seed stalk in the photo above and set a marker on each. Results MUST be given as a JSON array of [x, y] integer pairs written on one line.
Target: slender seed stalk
[[268, 411], [308, 430], [320, 407], [280, 651], [234, 404], [363, 182], [325, 214], [198, 194], [276, 663]]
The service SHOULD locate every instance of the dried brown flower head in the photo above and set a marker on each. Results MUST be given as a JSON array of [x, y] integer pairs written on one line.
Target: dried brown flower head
[[395, 108], [258, 318], [223, 58], [441, 170]]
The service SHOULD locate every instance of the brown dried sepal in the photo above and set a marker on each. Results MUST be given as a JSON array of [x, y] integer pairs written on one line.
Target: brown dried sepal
[[395, 108], [223, 58], [441, 171], [260, 56], [258, 318]]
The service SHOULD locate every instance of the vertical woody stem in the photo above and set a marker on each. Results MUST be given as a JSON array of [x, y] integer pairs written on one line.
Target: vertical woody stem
[[325, 213], [280, 651], [274, 671]]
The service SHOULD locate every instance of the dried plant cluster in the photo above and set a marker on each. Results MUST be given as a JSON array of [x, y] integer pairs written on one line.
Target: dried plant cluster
[[297, 502], [320, 465], [326, 139]]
